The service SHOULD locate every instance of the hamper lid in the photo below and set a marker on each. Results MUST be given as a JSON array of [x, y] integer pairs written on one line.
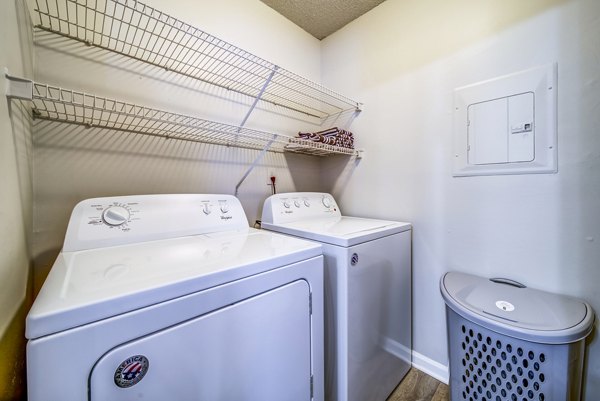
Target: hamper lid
[[515, 310]]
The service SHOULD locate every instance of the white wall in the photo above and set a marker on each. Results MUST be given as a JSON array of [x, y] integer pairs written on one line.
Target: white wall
[[403, 60], [73, 163], [15, 198]]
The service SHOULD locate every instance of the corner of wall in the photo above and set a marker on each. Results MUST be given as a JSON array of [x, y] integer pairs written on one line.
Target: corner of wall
[[16, 54]]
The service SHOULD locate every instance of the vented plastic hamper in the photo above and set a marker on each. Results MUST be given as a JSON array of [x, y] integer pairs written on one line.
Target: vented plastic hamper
[[511, 343]]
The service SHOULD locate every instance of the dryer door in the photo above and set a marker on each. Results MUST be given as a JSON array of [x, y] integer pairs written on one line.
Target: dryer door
[[258, 349]]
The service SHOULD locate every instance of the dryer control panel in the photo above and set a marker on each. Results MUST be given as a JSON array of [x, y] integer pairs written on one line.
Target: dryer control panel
[[101, 222], [295, 206]]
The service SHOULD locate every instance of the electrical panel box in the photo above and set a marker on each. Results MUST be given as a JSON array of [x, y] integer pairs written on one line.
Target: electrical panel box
[[507, 125]]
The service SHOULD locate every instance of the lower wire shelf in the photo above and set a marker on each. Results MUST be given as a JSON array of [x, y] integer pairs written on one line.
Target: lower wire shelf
[[64, 105], [304, 146]]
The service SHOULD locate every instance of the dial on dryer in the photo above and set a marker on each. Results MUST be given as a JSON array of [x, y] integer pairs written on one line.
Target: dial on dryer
[[115, 215]]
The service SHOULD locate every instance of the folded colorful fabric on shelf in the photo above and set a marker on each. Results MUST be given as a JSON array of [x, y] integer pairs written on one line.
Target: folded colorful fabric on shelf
[[332, 136], [345, 139]]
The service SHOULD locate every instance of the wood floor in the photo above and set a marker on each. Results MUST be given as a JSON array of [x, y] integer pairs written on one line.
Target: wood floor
[[417, 386]]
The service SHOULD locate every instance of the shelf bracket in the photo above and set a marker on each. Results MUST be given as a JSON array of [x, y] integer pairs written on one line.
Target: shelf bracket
[[268, 145], [18, 88], [255, 163], [257, 98]]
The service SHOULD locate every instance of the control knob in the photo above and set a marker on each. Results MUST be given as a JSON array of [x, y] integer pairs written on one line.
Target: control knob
[[115, 215], [327, 202]]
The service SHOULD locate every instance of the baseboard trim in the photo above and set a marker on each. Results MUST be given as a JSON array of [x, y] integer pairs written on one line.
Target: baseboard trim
[[431, 367]]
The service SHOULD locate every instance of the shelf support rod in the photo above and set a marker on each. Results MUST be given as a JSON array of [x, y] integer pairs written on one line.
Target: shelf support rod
[[257, 98], [18, 88], [268, 145], [255, 163]]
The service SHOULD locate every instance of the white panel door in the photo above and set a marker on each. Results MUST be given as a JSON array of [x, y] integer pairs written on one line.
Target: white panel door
[[488, 132], [258, 349]]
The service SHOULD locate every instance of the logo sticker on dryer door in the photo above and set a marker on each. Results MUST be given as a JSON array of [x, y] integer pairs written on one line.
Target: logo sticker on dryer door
[[131, 371], [505, 306]]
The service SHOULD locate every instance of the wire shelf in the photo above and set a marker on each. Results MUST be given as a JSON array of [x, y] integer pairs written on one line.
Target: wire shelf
[[316, 148], [133, 29], [63, 105]]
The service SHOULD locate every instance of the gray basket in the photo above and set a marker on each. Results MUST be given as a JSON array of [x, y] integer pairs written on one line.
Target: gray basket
[[511, 343]]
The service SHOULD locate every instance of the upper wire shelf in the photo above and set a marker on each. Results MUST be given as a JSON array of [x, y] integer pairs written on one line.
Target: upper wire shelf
[[64, 105], [133, 29]]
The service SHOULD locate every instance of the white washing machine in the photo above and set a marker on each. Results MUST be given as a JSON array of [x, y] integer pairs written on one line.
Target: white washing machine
[[367, 292], [174, 297]]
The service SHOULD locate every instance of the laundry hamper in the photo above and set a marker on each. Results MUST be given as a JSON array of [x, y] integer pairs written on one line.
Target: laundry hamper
[[511, 343]]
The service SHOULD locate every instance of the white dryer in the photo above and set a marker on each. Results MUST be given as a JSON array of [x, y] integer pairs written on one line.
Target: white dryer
[[174, 297], [367, 292]]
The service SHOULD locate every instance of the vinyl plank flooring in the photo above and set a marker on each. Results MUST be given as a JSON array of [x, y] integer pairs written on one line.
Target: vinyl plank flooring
[[418, 386]]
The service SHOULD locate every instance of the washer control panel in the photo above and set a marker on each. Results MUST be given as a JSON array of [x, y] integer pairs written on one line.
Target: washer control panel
[[294, 206], [101, 222]]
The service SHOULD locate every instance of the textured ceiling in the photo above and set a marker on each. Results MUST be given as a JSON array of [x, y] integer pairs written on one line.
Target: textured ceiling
[[321, 18]]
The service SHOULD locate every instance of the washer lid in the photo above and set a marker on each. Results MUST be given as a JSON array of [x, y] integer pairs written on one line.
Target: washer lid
[[511, 308], [317, 216], [341, 230], [90, 285]]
